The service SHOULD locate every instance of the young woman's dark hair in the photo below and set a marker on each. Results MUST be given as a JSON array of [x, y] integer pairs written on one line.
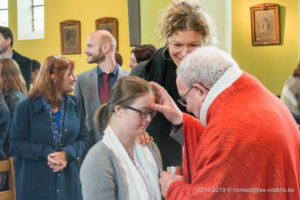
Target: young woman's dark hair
[[123, 93]]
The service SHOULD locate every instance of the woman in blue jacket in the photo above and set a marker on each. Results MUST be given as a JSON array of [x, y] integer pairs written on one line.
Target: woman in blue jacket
[[4, 124], [14, 91], [48, 133]]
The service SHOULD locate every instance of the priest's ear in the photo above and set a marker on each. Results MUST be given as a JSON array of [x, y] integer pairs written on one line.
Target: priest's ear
[[201, 91]]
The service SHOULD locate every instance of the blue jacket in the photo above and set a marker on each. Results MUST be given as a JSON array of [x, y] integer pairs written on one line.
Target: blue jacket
[[31, 142], [12, 99], [4, 124]]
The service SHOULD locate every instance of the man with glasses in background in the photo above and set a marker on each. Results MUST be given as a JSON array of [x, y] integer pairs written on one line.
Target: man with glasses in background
[[245, 143]]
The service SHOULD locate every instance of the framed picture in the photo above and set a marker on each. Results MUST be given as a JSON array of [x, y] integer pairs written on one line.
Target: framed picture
[[109, 24], [70, 37], [265, 24]]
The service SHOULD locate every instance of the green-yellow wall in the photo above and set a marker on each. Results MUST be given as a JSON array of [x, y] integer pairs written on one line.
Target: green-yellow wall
[[150, 15], [84, 11], [151, 12], [271, 64]]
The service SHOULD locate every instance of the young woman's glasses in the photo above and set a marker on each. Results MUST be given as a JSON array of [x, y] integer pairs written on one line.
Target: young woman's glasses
[[143, 113]]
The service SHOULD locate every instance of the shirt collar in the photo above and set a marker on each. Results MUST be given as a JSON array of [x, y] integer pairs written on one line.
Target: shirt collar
[[228, 78], [38, 103], [114, 72]]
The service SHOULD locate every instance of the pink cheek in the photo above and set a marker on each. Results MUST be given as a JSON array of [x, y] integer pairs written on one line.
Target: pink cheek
[[188, 108]]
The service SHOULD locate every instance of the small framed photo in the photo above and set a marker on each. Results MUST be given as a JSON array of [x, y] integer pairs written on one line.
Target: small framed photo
[[265, 24], [70, 37], [109, 24]]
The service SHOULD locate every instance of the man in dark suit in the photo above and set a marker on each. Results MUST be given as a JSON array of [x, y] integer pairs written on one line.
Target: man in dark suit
[[6, 51]]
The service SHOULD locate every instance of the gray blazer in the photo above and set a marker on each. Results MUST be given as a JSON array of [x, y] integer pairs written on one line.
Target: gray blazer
[[101, 175], [86, 88]]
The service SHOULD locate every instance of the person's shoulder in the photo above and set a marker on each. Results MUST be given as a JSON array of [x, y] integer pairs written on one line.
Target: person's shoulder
[[100, 150], [153, 147], [18, 56], [28, 101], [158, 66], [123, 72], [28, 104], [137, 70], [99, 155], [158, 55], [18, 94]]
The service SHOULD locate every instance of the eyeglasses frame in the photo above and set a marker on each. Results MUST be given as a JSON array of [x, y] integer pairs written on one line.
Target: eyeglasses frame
[[142, 111]]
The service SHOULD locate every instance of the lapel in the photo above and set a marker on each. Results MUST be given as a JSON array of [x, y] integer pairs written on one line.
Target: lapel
[[92, 86], [122, 72]]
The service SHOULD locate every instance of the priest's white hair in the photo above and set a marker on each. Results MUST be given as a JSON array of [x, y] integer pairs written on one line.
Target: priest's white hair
[[205, 65]]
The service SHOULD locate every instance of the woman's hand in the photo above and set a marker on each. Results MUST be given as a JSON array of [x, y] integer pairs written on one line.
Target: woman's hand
[[144, 139], [57, 161]]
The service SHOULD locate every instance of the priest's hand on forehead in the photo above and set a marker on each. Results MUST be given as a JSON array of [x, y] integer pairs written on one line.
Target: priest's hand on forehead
[[166, 105]]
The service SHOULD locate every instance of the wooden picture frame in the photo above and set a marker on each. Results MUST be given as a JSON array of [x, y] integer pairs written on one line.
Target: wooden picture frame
[[109, 24], [265, 28], [70, 37]]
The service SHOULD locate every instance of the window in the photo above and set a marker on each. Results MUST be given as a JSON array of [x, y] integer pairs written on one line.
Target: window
[[4, 13], [30, 19], [37, 15]]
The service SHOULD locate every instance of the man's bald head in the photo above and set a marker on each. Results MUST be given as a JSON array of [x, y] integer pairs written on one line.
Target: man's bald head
[[105, 37], [100, 45]]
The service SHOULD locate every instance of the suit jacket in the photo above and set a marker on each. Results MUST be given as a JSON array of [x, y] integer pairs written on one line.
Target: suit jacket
[[25, 65], [86, 88]]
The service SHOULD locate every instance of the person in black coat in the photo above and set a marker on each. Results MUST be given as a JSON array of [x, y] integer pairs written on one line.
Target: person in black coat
[[25, 65], [185, 26], [6, 51]]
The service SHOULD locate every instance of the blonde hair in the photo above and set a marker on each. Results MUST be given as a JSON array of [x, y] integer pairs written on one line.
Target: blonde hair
[[11, 75], [44, 85], [187, 15]]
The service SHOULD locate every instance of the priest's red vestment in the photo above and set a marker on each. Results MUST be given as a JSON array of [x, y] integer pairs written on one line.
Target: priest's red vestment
[[249, 149]]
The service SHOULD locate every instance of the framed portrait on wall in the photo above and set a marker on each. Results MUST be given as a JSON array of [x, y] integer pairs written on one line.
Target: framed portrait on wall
[[70, 37], [109, 24], [265, 28]]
